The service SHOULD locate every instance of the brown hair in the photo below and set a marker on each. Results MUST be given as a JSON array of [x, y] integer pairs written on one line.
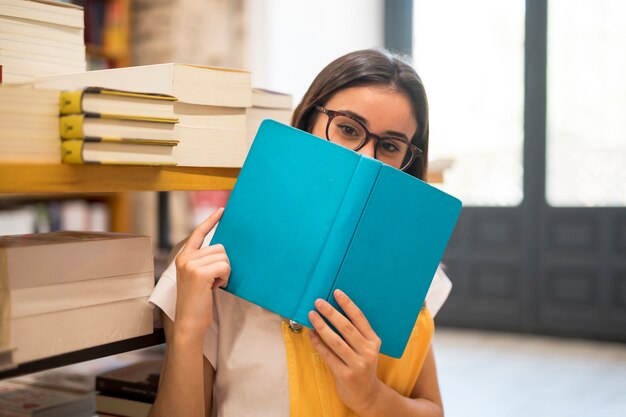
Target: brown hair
[[369, 67]]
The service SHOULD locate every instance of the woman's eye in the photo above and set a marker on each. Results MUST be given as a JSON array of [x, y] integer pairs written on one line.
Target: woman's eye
[[348, 130], [390, 147]]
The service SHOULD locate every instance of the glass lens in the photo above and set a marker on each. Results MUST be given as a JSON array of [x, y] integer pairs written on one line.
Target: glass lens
[[346, 132], [392, 152]]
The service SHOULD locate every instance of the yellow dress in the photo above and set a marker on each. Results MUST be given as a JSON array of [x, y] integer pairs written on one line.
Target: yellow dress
[[312, 386]]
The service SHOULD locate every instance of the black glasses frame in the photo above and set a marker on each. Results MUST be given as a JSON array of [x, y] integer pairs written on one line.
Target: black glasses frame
[[415, 151]]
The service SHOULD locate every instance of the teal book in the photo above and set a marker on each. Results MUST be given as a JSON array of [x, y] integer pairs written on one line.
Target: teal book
[[307, 216]]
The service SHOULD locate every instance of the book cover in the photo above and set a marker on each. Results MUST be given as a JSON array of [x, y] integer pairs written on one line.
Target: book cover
[[307, 216]]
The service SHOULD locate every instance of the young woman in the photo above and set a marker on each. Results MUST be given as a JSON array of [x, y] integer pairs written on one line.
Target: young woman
[[227, 357]]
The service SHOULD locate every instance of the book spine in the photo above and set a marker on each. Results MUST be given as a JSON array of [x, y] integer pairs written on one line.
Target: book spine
[[127, 390], [323, 277], [71, 126], [71, 102], [72, 152]]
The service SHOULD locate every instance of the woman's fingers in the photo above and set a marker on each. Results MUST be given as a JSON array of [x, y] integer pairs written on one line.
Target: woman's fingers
[[336, 344], [355, 315], [199, 233], [217, 249]]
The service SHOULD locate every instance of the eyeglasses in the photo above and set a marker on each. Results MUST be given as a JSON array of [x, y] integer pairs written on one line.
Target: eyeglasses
[[343, 129]]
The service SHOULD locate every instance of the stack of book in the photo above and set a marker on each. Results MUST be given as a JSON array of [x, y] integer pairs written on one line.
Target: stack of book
[[29, 125], [210, 108], [65, 291], [267, 104], [129, 391], [100, 125], [39, 38]]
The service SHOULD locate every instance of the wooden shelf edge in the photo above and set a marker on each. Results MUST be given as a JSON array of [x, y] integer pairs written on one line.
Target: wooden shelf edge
[[156, 338], [66, 178]]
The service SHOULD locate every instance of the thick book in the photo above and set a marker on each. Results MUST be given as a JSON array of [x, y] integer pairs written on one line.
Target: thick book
[[270, 99], [94, 125], [267, 104], [62, 331], [307, 216], [29, 125], [35, 260], [210, 147], [121, 407], [192, 84], [118, 102], [118, 152], [64, 291], [138, 381], [50, 12]]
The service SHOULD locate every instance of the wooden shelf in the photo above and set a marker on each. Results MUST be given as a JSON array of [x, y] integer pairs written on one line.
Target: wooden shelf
[[66, 178], [95, 352]]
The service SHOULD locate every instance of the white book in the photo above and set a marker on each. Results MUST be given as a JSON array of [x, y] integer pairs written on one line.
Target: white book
[[262, 97], [193, 84], [15, 101], [208, 147], [195, 115], [55, 12], [256, 115], [40, 66], [42, 30], [73, 45], [49, 59], [61, 257], [76, 54], [55, 333], [71, 295]]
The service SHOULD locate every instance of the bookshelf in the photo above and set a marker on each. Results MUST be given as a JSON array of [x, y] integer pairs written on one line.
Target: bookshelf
[[28, 179], [65, 178]]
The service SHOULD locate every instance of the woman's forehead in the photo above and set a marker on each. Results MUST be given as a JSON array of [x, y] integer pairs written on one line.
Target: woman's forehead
[[382, 107]]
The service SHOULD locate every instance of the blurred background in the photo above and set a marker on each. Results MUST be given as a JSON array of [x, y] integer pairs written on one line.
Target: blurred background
[[528, 128]]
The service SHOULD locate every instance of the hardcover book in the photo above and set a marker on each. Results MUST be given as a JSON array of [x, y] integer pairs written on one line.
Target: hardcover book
[[307, 216], [138, 381], [118, 102]]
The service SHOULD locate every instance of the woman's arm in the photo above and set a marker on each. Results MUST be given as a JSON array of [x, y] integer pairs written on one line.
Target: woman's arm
[[353, 360], [185, 377], [185, 387]]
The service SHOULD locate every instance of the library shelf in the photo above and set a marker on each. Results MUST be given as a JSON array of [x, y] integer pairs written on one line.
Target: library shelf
[[156, 338], [66, 178]]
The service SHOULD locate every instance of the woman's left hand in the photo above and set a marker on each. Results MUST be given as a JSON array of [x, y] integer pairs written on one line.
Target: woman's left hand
[[352, 359]]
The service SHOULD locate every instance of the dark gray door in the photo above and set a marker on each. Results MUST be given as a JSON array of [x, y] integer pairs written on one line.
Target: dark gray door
[[534, 267]]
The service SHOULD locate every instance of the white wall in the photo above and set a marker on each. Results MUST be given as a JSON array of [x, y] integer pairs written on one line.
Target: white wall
[[289, 42]]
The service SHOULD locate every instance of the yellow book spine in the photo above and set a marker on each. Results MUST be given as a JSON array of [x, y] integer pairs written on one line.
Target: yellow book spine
[[72, 152], [71, 126], [71, 102], [122, 93], [169, 120]]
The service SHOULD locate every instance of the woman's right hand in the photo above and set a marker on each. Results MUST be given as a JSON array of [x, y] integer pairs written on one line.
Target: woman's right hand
[[198, 272]]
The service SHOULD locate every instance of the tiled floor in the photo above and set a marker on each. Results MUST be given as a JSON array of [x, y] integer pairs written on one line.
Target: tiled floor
[[507, 375]]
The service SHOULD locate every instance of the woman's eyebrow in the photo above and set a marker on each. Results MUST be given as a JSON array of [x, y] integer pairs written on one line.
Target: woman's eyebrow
[[364, 121]]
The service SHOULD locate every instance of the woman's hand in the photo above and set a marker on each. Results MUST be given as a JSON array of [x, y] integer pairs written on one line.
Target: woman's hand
[[198, 272], [352, 359]]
